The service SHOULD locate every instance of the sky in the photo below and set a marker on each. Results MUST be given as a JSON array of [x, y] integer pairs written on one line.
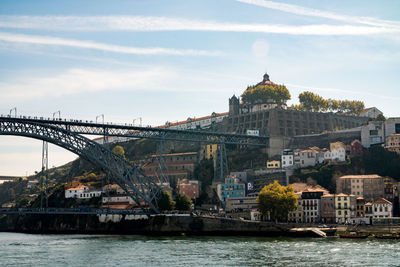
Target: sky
[[170, 60]]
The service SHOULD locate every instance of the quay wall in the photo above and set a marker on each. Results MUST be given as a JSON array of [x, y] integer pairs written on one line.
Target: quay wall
[[152, 225]]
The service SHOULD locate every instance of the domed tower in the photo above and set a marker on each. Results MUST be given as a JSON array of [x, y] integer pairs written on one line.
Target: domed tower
[[266, 78], [233, 105]]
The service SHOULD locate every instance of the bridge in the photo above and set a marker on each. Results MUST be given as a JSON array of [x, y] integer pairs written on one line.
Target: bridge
[[70, 134]]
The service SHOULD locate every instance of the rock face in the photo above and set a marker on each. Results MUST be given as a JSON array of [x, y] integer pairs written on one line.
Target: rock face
[[153, 225]]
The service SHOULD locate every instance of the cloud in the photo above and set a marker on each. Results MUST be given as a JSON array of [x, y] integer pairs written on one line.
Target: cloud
[[46, 40], [149, 23], [299, 10], [74, 81], [141, 78]]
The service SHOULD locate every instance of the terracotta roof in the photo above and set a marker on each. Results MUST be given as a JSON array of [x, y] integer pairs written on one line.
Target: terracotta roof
[[194, 120], [342, 195], [360, 198], [382, 201], [81, 187], [328, 195], [370, 176], [300, 187]]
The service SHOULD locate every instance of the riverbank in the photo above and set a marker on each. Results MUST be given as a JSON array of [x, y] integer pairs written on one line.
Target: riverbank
[[184, 224], [169, 225]]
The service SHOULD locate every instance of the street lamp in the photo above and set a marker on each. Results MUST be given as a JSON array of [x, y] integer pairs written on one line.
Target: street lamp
[[102, 116], [140, 119], [11, 110], [59, 114]]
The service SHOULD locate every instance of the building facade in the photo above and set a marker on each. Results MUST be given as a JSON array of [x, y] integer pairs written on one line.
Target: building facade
[[179, 166], [328, 214], [232, 187], [190, 188], [287, 158], [371, 187], [393, 143]]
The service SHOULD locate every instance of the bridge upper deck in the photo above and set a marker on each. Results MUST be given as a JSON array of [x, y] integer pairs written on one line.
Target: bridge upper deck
[[131, 131]]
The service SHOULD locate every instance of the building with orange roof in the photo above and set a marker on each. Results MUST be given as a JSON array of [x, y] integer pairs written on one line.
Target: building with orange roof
[[371, 187], [191, 188], [82, 192], [382, 208]]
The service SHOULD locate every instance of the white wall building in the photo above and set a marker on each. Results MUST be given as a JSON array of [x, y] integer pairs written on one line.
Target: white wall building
[[382, 208], [308, 158], [287, 159], [75, 192]]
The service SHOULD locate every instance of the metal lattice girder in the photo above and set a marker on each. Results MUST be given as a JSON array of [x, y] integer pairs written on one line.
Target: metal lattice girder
[[131, 179], [90, 128]]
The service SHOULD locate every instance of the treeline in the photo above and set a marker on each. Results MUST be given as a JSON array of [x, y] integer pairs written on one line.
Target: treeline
[[313, 102], [309, 101], [279, 94]]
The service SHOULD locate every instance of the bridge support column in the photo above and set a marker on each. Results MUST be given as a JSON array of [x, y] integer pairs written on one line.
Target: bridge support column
[[221, 164], [45, 175]]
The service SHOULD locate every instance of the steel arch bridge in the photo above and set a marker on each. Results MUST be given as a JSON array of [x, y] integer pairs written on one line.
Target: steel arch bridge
[[69, 135], [131, 179]]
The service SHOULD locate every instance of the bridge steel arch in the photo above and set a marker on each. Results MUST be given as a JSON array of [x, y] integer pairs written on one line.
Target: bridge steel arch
[[142, 189]]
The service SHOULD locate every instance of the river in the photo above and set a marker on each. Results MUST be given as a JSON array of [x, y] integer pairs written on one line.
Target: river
[[111, 250]]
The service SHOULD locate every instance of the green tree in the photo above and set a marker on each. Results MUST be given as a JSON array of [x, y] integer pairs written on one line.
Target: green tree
[[312, 102], [165, 201], [277, 201], [183, 202], [380, 117], [278, 94], [119, 150]]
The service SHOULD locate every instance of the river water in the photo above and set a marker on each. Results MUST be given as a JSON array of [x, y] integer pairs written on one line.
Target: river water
[[115, 250]]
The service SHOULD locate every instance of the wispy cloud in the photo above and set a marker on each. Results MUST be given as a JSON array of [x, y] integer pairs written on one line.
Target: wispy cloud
[[74, 81], [54, 41], [80, 81], [143, 23], [304, 11]]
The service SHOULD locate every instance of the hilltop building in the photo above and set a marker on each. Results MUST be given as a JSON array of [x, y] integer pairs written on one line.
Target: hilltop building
[[279, 122], [371, 112]]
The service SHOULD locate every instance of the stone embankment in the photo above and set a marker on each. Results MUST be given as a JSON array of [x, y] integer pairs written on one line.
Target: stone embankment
[[144, 225]]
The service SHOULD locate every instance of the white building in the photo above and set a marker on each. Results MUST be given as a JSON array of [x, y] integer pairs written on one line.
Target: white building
[[196, 123], [287, 159], [372, 112], [336, 153], [75, 192], [307, 158], [382, 208], [81, 192]]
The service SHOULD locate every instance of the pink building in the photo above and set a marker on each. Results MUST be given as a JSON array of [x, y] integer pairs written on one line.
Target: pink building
[[190, 188]]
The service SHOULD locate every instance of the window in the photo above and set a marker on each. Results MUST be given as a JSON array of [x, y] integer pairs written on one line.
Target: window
[[373, 132]]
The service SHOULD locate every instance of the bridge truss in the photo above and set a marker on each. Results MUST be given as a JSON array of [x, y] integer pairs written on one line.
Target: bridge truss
[[69, 134]]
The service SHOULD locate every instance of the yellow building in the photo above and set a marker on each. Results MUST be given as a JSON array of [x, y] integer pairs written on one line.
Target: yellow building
[[211, 151], [342, 208], [273, 164]]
